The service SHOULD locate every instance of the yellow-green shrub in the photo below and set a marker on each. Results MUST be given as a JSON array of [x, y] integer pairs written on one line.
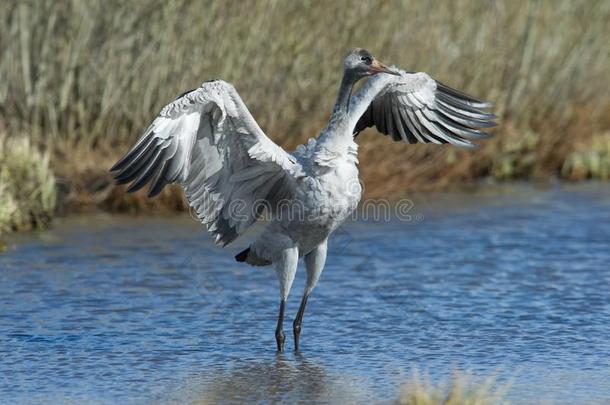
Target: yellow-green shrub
[[462, 389], [27, 186]]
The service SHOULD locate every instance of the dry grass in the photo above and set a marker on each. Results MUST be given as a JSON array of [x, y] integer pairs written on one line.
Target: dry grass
[[589, 160], [461, 390], [83, 78]]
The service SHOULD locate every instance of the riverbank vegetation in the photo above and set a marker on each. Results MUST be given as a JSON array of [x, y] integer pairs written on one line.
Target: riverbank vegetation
[[461, 389], [27, 186], [80, 80]]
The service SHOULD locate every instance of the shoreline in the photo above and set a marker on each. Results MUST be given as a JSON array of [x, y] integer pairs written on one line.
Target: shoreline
[[468, 195]]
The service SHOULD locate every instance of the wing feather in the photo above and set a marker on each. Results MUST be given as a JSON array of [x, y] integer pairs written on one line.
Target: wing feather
[[413, 107], [207, 141]]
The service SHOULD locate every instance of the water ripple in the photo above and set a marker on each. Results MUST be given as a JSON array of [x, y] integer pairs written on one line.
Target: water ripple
[[108, 310]]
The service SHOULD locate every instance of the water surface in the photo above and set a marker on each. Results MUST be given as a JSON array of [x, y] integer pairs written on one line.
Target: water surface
[[106, 309]]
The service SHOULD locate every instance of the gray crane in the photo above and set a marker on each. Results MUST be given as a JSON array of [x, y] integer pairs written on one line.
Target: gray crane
[[208, 142]]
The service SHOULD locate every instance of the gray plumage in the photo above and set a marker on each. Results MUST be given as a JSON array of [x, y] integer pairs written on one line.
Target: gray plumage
[[207, 141]]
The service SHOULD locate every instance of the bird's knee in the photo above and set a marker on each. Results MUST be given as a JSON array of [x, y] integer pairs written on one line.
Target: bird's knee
[[280, 337], [296, 326]]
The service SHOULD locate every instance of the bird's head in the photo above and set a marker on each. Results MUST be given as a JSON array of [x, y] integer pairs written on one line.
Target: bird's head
[[361, 63]]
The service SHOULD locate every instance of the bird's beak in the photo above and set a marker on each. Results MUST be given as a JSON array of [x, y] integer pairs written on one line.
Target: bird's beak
[[378, 67]]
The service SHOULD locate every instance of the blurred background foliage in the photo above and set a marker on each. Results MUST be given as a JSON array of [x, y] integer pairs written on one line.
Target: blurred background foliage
[[81, 79]]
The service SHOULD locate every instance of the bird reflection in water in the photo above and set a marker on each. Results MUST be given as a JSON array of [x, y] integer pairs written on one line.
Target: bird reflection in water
[[285, 379]]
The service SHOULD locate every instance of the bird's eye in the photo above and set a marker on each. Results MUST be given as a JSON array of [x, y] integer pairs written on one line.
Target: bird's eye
[[365, 59]]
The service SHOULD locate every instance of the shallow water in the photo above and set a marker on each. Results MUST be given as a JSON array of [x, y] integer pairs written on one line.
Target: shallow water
[[513, 283]]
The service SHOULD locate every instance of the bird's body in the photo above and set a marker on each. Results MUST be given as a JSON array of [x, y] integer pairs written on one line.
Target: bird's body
[[232, 173], [323, 198]]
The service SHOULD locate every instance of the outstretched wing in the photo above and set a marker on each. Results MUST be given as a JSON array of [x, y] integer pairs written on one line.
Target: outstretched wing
[[207, 141], [413, 107]]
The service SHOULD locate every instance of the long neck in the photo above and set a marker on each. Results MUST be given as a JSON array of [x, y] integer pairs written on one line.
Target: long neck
[[338, 133], [345, 90], [336, 136], [339, 118]]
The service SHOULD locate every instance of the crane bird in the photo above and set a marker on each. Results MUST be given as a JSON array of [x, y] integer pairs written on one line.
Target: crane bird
[[207, 141]]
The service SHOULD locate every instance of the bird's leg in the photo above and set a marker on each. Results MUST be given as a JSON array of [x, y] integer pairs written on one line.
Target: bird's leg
[[279, 330], [285, 268], [314, 264], [296, 325]]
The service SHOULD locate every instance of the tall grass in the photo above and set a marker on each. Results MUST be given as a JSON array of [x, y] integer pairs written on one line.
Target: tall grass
[[83, 78]]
